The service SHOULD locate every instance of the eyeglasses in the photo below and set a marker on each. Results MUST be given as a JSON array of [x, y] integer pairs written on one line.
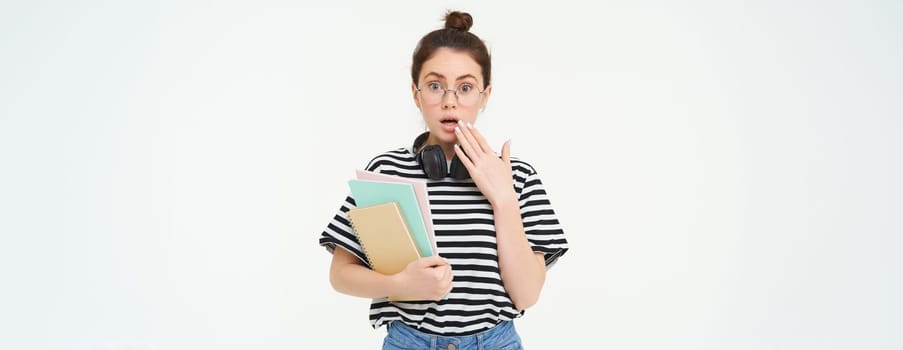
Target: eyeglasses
[[466, 93]]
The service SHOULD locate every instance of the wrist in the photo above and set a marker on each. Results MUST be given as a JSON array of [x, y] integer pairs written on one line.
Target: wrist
[[396, 283], [506, 202]]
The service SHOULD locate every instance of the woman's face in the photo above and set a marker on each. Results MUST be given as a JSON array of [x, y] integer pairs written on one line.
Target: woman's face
[[449, 69]]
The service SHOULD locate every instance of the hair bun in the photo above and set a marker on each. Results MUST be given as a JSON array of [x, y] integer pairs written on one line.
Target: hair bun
[[458, 20]]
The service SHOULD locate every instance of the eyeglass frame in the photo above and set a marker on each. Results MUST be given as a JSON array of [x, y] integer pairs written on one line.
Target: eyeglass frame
[[445, 92]]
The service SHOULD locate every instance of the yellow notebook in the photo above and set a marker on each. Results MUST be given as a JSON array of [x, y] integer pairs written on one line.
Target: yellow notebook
[[385, 238]]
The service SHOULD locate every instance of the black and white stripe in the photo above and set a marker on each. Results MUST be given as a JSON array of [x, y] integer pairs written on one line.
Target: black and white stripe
[[465, 235]]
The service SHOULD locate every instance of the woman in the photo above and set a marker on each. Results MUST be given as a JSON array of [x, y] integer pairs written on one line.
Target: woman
[[495, 228]]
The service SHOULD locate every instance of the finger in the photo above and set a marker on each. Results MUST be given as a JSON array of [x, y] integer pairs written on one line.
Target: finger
[[465, 144], [451, 274], [439, 274], [467, 130], [434, 260], [463, 158], [444, 273], [506, 152], [479, 139], [448, 288]]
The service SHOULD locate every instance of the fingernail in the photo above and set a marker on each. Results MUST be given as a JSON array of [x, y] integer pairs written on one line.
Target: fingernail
[[469, 125], [457, 129]]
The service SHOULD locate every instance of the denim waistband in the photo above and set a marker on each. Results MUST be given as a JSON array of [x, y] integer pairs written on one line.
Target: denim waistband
[[403, 336]]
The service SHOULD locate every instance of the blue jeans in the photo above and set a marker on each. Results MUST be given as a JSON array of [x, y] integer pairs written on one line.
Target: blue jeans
[[403, 337]]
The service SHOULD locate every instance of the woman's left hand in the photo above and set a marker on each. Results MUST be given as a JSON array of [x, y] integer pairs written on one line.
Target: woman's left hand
[[491, 174]]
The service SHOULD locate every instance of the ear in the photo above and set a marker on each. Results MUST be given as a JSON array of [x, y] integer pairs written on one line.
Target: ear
[[414, 95], [485, 98]]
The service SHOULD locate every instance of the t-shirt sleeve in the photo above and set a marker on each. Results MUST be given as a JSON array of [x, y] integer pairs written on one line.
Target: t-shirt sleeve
[[339, 233], [543, 230]]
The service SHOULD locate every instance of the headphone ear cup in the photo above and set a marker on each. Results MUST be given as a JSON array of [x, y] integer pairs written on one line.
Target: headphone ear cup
[[457, 170], [432, 160]]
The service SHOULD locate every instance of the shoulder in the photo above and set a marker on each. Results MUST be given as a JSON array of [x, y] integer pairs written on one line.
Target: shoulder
[[401, 157], [523, 173], [522, 167]]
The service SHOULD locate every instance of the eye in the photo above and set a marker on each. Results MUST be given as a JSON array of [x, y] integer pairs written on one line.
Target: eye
[[465, 88], [434, 86]]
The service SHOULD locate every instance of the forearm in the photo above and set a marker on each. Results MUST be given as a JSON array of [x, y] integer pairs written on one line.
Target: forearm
[[357, 280], [523, 272]]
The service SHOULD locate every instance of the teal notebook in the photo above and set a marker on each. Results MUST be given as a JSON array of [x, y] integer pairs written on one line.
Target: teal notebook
[[366, 193]]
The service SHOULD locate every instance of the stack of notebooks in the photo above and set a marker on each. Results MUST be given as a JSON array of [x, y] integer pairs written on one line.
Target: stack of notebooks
[[392, 221]]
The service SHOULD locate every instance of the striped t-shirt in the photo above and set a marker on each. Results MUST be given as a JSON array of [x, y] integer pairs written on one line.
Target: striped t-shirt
[[465, 237]]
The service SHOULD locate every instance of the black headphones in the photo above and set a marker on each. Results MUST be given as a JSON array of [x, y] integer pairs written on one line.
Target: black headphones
[[432, 159]]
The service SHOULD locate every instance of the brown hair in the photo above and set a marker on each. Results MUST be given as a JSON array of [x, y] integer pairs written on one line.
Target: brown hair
[[455, 36]]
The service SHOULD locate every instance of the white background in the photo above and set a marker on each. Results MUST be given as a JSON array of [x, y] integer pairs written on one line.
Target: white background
[[728, 173]]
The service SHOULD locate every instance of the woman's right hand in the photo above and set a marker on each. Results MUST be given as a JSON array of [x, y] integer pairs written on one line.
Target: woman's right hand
[[428, 278]]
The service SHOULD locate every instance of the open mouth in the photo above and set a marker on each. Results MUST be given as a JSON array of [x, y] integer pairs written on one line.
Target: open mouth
[[449, 121]]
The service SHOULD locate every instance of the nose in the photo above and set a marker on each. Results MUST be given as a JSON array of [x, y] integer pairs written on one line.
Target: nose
[[450, 100]]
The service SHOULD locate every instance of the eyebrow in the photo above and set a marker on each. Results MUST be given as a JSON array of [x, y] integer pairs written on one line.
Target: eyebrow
[[440, 76]]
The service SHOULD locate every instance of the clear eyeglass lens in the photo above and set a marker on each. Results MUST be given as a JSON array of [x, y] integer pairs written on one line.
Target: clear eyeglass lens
[[467, 94]]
